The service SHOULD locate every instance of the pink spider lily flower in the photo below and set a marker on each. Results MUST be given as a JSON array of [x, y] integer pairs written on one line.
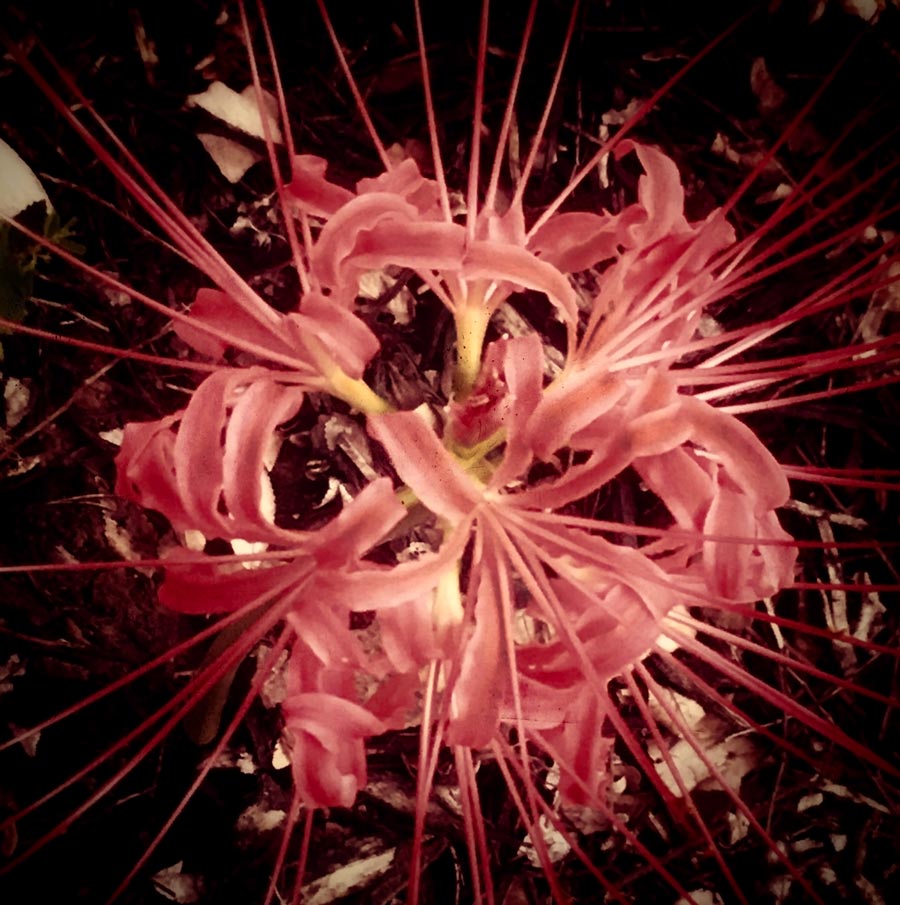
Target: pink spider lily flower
[[315, 584], [205, 470], [395, 219], [503, 615], [481, 491], [595, 609]]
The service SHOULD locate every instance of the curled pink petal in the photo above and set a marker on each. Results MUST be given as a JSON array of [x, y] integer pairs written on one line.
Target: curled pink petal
[[349, 233], [584, 752], [407, 634], [406, 181], [578, 240], [258, 411], [681, 481], [748, 462], [499, 261], [328, 757], [646, 420], [425, 465], [523, 371], [199, 471], [311, 191], [743, 571], [508, 228], [480, 686], [396, 702], [359, 526], [376, 587], [660, 194], [218, 310], [576, 399], [349, 341], [405, 243], [145, 469]]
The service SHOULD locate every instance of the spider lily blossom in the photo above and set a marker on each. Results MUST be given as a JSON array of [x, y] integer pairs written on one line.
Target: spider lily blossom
[[472, 477], [475, 579]]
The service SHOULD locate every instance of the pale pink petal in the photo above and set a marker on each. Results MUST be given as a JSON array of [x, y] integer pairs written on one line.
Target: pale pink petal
[[145, 469], [687, 484], [612, 454], [576, 399], [584, 752], [645, 421], [748, 463], [371, 229], [424, 465], [397, 702], [258, 411], [407, 633], [198, 452], [311, 191], [710, 236], [774, 566], [610, 565], [660, 194], [479, 689], [210, 475], [218, 310], [328, 757], [203, 466], [575, 241], [197, 583], [402, 242], [360, 525], [727, 566], [407, 181], [659, 431], [622, 621], [327, 727], [578, 240], [523, 372], [508, 228], [323, 627], [339, 235], [744, 571], [682, 481], [616, 622], [499, 261], [348, 340], [375, 587]]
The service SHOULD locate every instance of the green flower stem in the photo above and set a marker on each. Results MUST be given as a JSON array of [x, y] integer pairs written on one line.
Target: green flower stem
[[358, 393], [471, 326], [354, 391]]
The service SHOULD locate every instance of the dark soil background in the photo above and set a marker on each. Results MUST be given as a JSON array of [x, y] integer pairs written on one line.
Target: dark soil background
[[65, 635]]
